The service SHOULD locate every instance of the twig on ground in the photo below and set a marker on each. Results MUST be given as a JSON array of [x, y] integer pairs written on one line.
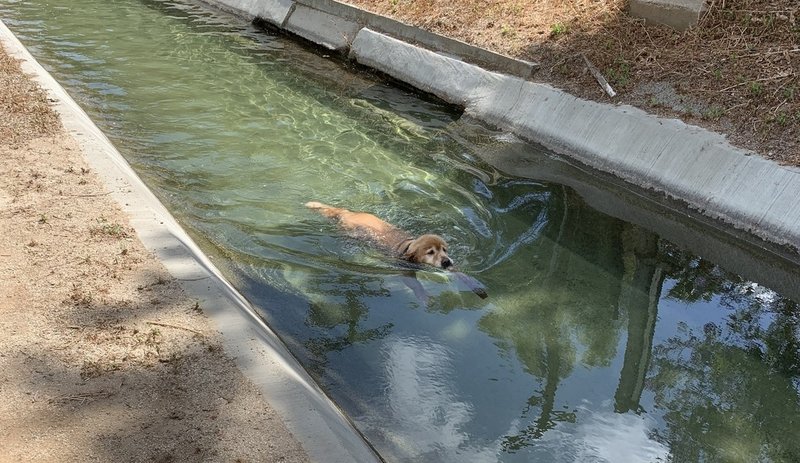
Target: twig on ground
[[91, 195], [175, 326], [81, 397], [768, 53], [775, 111], [763, 79], [599, 77]]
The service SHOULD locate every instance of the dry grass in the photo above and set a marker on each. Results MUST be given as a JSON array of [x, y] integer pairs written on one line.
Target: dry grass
[[25, 112], [737, 72]]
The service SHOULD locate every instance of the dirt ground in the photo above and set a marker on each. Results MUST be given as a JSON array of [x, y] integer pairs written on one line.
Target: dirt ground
[[102, 356], [737, 72]]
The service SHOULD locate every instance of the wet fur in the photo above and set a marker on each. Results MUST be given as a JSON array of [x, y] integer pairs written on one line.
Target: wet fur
[[425, 249]]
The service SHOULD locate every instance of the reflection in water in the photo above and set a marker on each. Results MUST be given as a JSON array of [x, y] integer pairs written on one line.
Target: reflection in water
[[639, 301], [427, 417], [729, 388], [613, 437], [603, 437], [600, 341]]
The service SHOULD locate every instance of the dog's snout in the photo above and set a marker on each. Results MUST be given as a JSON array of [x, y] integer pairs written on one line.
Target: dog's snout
[[446, 263]]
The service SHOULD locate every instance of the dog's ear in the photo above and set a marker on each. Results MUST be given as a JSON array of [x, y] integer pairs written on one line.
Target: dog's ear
[[410, 254]]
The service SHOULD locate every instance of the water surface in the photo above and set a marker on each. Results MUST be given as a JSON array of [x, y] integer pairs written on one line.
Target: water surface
[[601, 340]]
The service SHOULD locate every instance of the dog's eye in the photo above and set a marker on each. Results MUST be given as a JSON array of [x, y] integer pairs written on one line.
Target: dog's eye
[[431, 252]]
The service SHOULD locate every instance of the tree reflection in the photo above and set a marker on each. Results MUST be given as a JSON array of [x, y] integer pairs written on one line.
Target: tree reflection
[[644, 278], [340, 315], [721, 403], [729, 392], [565, 297]]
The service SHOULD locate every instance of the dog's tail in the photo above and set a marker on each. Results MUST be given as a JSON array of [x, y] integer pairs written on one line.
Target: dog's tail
[[324, 209]]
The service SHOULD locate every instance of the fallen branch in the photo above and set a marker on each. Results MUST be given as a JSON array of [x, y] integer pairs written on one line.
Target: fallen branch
[[599, 77], [167, 325]]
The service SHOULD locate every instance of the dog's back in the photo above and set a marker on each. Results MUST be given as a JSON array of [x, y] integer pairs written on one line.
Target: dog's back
[[359, 221]]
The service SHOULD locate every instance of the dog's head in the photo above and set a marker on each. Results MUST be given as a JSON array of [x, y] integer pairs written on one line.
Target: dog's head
[[428, 249]]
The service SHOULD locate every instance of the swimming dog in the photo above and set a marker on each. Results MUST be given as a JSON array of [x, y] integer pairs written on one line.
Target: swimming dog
[[425, 249]]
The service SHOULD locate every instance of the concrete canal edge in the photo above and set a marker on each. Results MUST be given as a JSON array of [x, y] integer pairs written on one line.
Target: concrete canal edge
[[320, 426], [681, 161]]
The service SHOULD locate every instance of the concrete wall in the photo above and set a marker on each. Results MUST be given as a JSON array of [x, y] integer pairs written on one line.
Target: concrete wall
[[684, 162], [678, 14]]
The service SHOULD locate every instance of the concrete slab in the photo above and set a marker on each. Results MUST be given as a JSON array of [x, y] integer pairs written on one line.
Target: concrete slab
[[331, 31], [678, 14], [426, 39], [272, 11], [322, 429]]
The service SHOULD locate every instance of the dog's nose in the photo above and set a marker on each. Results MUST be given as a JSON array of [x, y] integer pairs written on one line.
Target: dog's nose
[[446, 263]]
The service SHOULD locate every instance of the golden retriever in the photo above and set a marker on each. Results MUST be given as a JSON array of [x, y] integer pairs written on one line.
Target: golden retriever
[[425, 249]]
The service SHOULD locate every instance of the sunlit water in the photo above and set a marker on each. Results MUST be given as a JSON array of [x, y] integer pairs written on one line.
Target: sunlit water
[[600, 341]]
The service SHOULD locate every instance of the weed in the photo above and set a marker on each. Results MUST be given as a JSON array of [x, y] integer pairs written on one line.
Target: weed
[[507, 31], [781, 119], [106, 228], [756, 88], [713, 113], [43, 219], [620, 73], [152, 339], [655, 102], [81, 297], [558, 29]]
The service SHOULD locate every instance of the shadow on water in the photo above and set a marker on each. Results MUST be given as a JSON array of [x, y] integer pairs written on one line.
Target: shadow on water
[[618, 327]]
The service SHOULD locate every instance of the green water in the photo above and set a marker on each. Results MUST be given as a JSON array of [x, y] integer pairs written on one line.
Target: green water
[[601, 339]]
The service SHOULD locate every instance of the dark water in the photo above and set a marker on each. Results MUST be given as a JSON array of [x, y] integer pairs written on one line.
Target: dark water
[[602, 339]]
